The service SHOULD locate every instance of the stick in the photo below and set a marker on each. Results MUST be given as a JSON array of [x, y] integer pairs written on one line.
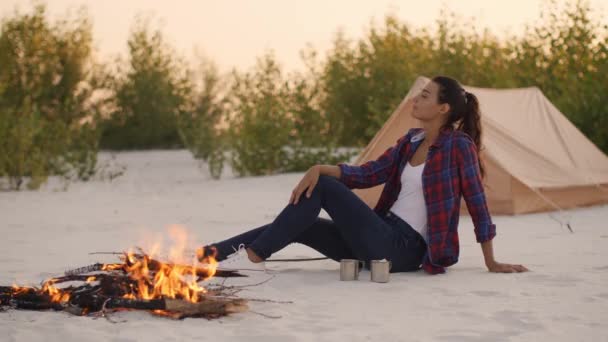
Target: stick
[[85, 269], [296, 260]]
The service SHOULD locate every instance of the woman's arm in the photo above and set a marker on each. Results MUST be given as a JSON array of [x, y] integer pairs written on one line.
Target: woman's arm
[[372, 172], [473, 193], [330, 170]]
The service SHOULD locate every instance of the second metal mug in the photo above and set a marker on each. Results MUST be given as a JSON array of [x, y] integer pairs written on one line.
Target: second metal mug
[[380, 271]]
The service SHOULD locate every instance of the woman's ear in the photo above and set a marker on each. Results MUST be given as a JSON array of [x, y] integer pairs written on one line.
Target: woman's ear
[[444, 108]]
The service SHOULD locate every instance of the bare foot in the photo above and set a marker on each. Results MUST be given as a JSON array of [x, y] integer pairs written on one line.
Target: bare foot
[[253, 257]]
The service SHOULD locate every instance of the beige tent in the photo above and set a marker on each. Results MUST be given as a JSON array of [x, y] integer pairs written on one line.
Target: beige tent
[[535, 159]]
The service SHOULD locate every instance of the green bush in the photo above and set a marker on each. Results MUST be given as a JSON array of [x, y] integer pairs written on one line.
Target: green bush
[[273, 123], [565, 54], [149, 95], [198, 124], [264, 121], [47, 85]]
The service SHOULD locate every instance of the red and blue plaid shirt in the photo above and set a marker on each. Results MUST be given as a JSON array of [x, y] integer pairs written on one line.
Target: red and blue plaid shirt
[[451, 172]]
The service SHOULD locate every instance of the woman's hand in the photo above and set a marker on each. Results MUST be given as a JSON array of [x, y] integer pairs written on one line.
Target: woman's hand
[[309, 181], [498, 267], [495, 266]]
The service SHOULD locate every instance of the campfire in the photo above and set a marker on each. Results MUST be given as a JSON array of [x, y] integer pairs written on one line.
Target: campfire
[[138, 282]]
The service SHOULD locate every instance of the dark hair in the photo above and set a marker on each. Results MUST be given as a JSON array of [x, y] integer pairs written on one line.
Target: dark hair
[[464, 110]]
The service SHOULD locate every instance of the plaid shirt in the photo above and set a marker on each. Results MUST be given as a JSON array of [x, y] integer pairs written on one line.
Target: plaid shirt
[[451, 171]]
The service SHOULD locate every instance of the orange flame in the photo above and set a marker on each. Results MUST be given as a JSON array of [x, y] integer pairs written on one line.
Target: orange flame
[[170, 280], [175, 279], [112, 267], [57, 296], [20, 289]]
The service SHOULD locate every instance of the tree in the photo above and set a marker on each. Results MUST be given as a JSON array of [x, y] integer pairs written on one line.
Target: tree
[[566, 55], [149, 95], [199, 125], [259, 125], [47, 100]]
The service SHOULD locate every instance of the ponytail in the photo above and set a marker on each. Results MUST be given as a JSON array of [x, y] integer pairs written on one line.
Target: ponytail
[[464, 111], [471, 124]]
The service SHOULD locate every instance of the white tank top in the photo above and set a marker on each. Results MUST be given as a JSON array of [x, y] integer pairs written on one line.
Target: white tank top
[[410, 205]]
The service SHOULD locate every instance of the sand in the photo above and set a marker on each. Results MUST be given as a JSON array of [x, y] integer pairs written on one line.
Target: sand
[[45, 232]]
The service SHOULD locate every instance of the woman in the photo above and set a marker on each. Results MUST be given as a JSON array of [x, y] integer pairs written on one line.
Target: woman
[[415, 221]]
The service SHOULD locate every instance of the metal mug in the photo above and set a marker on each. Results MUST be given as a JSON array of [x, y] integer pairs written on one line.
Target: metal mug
[[380, 271], [349, 269]]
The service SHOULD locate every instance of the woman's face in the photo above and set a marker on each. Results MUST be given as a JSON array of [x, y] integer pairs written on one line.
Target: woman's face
[[426, 106]]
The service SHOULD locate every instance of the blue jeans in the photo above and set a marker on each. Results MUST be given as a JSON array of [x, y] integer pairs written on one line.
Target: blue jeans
[[355, 231]]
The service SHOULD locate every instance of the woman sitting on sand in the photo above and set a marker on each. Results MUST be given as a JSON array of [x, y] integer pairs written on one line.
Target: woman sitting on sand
[[415, 222]]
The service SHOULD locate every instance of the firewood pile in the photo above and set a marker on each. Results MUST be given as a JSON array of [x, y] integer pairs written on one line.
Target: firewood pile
[[138, 282]]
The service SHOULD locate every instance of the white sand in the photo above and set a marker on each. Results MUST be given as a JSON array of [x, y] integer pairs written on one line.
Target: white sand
[[564, 298]]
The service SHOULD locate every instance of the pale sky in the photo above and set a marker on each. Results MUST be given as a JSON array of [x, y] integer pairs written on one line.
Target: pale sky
[[234, 32]]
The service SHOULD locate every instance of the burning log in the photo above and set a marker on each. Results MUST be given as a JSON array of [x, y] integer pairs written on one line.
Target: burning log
[[201, 272], [187, 309], [207, 306]]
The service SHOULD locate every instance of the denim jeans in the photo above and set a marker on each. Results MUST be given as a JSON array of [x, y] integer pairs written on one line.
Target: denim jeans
[[354, 232]]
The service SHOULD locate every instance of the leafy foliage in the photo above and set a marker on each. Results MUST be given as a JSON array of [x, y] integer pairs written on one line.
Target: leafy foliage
[[57, 106], [565, 54], [275, 124], [47, 104], [149, 95]]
